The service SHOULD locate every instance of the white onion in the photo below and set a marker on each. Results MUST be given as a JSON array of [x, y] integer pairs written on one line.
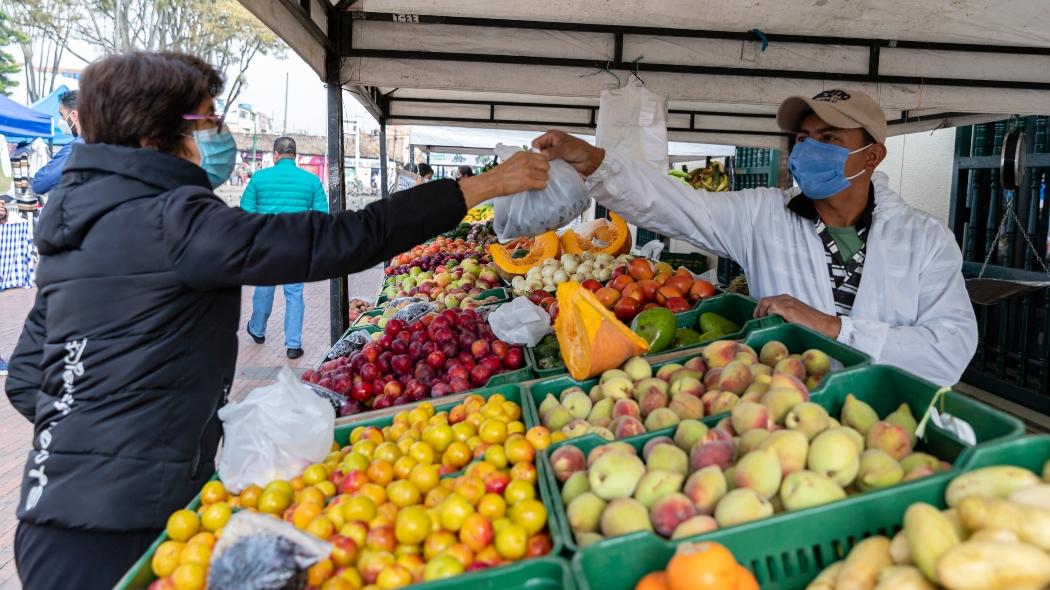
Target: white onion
[[561, 276]]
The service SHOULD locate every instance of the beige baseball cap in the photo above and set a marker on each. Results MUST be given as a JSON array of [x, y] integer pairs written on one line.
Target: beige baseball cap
[[845, 109]]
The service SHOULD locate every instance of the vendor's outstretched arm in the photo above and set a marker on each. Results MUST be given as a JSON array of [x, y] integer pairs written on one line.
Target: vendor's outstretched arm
[[721, 223], [940, 344]]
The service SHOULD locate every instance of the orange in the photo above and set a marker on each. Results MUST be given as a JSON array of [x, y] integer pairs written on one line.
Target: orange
[[492, 506], [515, 427], [338, 583], [471, 488], [388, 510], [497, 456], [190, 576], [388, 452], [413, 525], [250, 496], [380, 472], [519, 490], [539, 436], [438, 436], [476, 532], [352, 576], [394, 576], [425, 477], [437, 541], [530, 514], [183, 524], [512, 542], [524, 472], [195, 553], [359, 507], [298, 484], [462, 553], [746, 580], [422, 452], [702, 566], [441, 567], [166, 558], [463, 431], [453, 511], [274, 502], [279, 485], [321, 527], [403, 493], [311, 495], [519, 450], [456, 455], [493, 431], [353, 462], [327, 488], [216, 516], [653, 581], [315, 474], [203, 538], [213, 492], [374, 491], [319, 572], [303, 514], [403, 467]]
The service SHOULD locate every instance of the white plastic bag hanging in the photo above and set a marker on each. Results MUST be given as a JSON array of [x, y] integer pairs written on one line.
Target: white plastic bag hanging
[[532, 213], [520, 322], [274, 433], [633, 121]]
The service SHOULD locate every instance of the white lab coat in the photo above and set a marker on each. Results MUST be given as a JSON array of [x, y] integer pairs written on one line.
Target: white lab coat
[[911, 310]]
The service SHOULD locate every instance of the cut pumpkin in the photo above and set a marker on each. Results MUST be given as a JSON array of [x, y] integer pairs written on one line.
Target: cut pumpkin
[[519, 256], [611, 237], [591, 339]]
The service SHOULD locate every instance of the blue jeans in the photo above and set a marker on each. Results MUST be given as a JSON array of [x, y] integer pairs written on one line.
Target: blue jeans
[[262, 305]]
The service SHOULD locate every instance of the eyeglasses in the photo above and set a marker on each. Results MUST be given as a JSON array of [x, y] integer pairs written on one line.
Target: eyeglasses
[[219, 120]]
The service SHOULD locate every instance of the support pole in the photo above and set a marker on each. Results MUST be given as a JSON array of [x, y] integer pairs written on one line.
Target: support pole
[[339, 301], [384, 181]]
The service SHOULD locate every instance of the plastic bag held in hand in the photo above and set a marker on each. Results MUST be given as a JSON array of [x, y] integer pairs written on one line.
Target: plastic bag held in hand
[[532, 213], [274, 433], [520, 322]]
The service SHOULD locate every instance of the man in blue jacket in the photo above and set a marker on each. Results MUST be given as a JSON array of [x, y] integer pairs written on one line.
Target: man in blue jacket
[[47, 177], [283, 188]]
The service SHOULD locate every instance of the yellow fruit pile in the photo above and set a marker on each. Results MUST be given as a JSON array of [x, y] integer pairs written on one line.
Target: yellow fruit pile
[[479, 214], [382, 502]]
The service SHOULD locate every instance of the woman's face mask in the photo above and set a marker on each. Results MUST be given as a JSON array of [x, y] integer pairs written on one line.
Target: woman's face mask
[[65, 125], [819, 168], [218, 152]]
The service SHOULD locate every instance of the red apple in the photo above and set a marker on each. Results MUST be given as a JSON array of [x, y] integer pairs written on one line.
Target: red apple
[[626, 308], [592, 285], [640, 269], [621, 282], [664, 293], [678, 304], [608, 296], [362, 391], [480, 375], [436, 359], [515, 358], [500, 348]]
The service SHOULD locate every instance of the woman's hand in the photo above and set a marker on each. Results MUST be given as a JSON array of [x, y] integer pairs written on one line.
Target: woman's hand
[[523, 171], [558, 145]]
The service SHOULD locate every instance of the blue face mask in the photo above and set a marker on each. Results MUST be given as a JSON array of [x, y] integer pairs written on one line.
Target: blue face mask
[[218, 153], [819, 168]]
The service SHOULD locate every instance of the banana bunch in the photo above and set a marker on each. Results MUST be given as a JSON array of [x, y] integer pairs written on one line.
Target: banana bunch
[[712, 178], [479, 214]]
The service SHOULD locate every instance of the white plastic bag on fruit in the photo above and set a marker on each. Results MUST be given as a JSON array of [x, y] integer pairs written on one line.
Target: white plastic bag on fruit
[[520, 322], [532, 213], [274, 433], [633, 121]]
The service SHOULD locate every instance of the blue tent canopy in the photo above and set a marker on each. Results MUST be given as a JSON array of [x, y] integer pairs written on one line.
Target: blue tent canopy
[[49, 106], [18, 121]]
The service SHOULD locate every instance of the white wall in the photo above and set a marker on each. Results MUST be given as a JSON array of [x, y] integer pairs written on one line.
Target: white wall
[[920, 169]]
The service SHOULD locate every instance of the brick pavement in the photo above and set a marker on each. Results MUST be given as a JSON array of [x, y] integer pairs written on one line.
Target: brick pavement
[[256, 364]]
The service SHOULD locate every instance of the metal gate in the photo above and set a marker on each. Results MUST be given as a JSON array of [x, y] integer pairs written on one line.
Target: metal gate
[[1013, 350]]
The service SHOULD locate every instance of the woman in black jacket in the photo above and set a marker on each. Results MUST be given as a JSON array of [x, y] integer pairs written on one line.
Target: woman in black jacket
[[130, 347]]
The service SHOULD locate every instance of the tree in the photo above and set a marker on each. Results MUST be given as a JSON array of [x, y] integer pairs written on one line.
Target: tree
[[221, 32], [8, 65], [45, 27]]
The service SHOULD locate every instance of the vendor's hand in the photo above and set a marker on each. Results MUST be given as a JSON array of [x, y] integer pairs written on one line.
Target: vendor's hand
[[521, 172], [796, 312], [558, 145]]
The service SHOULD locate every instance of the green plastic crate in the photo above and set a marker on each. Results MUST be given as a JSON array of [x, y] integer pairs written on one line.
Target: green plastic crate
[[358, 323], [549, 571], [731, 306], [788, 554], [884, 388]]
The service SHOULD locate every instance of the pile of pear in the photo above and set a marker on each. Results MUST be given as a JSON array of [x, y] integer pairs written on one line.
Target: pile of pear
[[638, 398], [993, 535], [762, 459]]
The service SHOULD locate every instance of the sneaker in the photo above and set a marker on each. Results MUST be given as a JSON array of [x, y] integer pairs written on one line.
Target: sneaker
[[257, 339], [294, 353], [3, 367]]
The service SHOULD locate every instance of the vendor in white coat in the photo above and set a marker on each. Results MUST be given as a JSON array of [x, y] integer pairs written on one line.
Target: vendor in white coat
[[841, 253]]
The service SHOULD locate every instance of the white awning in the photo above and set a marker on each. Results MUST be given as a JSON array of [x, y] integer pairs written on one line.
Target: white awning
[[540, 64]]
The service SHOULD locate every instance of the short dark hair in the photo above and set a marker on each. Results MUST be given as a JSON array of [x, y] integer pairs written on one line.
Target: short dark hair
[[466, 171], [142, 95], [68, 100], [425, 169], [284, 146]]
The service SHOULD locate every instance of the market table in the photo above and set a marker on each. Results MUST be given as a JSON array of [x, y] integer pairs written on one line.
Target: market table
[[16, 255]]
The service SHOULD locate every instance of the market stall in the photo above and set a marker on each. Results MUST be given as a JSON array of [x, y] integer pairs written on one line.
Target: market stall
[[657, 435]]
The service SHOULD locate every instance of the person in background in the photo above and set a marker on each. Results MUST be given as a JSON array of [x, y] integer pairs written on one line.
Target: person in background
[[130, 349], [47, 177], [426, 173], [282, 188], [464, 172]]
